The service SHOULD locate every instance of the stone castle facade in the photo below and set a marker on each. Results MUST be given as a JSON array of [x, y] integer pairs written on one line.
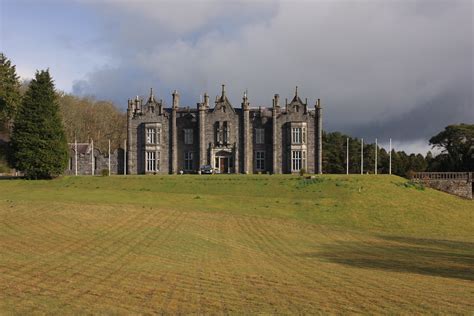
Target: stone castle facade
[[231, 140]]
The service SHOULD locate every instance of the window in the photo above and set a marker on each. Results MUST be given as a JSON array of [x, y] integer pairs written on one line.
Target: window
[[296, 163], [303, 134], [218, 133], [151, 164], [296, 135], [151, 136], [188, 160], [158, 135], [259, 136], [157, 166], [303, 161], [188, 136], [226, 133], [260, 160]]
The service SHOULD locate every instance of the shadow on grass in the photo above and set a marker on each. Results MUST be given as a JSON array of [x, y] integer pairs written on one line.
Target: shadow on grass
[[11, 177], [443, 258]]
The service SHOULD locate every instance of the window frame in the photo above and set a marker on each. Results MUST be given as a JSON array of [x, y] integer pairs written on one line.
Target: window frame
[[296, 160], [150, 135], [152, 161], [259, 136], [260, 160], [296, 135], [188, 160], [188, 136]]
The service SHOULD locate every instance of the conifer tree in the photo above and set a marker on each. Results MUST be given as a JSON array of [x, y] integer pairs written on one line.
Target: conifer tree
[[9, 92], [38, 141]]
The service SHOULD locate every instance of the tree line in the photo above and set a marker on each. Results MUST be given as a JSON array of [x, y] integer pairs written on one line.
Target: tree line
[[41, 121]]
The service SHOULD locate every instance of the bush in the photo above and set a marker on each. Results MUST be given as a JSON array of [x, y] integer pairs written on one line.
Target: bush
[[104, 172], [302, 171]]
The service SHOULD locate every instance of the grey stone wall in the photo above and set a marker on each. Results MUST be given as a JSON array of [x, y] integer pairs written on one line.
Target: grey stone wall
[[460, 188], [85, 166]]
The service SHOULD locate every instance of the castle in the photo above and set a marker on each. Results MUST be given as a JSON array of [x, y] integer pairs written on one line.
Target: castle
[[230, 140], [225, 139]]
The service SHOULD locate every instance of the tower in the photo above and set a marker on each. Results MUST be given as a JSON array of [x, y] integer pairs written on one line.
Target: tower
[[246, 133]]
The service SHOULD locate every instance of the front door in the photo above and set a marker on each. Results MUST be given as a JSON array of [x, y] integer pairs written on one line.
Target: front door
[[224, 164]]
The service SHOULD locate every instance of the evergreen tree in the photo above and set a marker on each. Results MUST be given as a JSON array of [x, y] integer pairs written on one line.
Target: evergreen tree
[[457, 143], [9, 92], [38, 141]]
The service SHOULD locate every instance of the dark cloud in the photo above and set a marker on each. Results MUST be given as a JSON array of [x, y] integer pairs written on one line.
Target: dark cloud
[[400, 69]]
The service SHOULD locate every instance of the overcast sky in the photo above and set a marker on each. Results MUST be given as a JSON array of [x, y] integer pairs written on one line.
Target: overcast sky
[[400, 69]]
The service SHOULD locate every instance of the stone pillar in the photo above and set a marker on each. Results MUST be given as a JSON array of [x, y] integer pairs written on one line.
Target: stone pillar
[[246, 135], [129, 141], [174, 133], [319, 138], [236, 161], [275, 110], [202, 130]]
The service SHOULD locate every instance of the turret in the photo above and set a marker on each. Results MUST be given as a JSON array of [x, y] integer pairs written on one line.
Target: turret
[[276, 103], [175, 99], [203, 106], [245, 102], [246, 134], [319, 137]]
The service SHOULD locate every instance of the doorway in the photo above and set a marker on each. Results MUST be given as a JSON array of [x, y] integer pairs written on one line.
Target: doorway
[[223, 163]]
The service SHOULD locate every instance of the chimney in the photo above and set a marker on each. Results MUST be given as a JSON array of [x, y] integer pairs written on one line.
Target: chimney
[[206, 99], [277, 101], [175, 99]]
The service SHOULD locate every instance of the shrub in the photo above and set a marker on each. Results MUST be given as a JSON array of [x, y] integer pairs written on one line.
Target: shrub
[[302, 171], [104, 172]]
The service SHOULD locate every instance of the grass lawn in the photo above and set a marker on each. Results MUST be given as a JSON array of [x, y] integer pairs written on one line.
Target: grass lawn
[[234, 244]]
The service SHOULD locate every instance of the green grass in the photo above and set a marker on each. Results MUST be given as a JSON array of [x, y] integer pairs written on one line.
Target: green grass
[[234, 244]]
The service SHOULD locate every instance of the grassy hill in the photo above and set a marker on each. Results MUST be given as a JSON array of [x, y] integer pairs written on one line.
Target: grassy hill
[[234, 244]]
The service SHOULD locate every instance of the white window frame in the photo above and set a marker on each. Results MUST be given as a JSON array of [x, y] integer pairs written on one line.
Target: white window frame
[[188, 136], [150, 135], [188, 160], [158, 135], [259, 136], [260, 160], [296, 135], [296, 160], [158, 156], [152, 161]]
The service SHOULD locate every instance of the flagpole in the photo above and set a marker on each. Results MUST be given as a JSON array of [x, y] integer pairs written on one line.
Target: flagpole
[[347, 155], [109, 157], [376, 156], [125, 157], [361, 156], [75, 155], [92, 157], [390, 158]]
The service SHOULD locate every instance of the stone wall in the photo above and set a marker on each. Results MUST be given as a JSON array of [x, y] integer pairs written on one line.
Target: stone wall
[[101, 162], [462, 188]]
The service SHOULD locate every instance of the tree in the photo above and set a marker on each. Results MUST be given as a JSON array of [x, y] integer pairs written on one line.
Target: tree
[[38, 141], [86, 118], [457, 143], [9, 92]]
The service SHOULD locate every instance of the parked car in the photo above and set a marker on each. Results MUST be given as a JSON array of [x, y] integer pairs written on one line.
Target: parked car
[[207, 169]]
